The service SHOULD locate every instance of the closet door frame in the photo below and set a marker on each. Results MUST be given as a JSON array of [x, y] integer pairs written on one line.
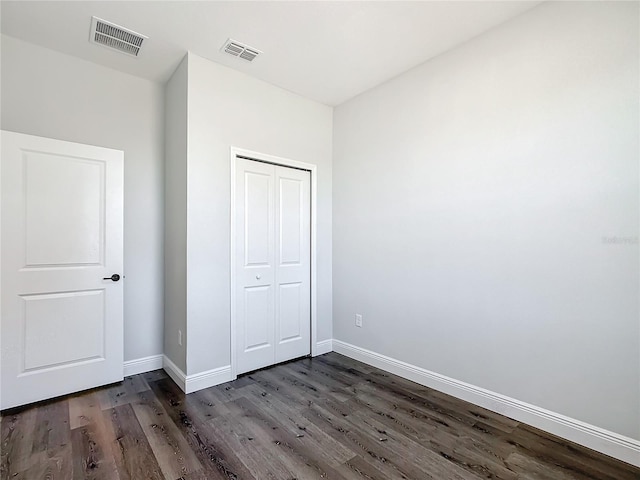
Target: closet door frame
[[236, 153]]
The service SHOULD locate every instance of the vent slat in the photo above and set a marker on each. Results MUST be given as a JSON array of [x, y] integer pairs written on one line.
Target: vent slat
[[116, 37], [248, 55], [117, 44], [233, 49]]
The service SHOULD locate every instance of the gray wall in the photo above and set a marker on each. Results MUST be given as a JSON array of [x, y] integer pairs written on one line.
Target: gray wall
[[485, 213], [228, 108], [53, 95], [175, 211]]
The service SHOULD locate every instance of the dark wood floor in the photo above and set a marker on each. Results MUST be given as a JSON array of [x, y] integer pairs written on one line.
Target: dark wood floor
[[327, 417]]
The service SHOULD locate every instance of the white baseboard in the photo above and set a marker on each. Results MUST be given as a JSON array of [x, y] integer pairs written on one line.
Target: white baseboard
[[325, 346], [177, 375], [142, 365], [197, 381], [603, 441], [210, 378]]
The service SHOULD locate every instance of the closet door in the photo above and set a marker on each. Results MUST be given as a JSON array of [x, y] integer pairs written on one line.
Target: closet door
[[255, 275], [272, 264], [293, 262]]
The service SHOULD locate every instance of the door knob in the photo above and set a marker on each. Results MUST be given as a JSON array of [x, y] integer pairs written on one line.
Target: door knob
[[114, 278], [258, 277]]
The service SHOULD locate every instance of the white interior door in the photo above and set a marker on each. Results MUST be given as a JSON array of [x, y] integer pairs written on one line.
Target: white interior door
[[62, 225], [293, 263], [255, 276], [273, 229]]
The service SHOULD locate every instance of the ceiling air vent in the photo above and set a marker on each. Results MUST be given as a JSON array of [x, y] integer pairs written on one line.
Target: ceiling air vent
[[116, 37], [240, 50]]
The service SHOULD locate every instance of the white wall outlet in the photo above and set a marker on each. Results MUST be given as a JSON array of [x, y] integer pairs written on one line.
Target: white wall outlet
[[180, 337], [358, 320]]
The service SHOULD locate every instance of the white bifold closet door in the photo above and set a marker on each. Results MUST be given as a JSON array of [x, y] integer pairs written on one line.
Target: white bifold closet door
[[273, 235]]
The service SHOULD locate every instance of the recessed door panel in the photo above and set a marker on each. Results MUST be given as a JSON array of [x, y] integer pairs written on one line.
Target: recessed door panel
[[289, 311], [60, 229], [257, 332], [74, 322], [258, 218], [290, 230]]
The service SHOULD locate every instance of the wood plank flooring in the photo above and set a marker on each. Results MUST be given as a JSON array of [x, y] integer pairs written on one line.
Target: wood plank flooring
[[328, 417]]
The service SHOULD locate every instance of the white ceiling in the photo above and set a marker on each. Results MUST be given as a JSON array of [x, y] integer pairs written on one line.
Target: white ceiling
[[326, 51]]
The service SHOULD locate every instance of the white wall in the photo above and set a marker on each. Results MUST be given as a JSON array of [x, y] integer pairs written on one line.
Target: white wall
[[475, 198], [53, 95], [175, 214], [228, 108]]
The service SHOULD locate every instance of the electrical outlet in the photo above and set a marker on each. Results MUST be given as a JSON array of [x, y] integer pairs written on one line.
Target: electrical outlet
[[358, 320], [180, 337]]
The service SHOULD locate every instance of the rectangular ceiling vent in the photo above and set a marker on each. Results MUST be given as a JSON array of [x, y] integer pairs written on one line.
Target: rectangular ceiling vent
[[240, 50], [116, 37]]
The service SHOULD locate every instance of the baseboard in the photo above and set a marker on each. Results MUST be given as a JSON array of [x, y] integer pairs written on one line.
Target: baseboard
[[325, 346], [197, 381], [210, 378], [142, 365], [598, 439], [176, 374]]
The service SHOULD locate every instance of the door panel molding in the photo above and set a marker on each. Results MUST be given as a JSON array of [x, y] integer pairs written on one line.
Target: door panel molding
[[239, 153]]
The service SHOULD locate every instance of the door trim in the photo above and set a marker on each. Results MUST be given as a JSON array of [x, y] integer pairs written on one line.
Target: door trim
[[236, 152]]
